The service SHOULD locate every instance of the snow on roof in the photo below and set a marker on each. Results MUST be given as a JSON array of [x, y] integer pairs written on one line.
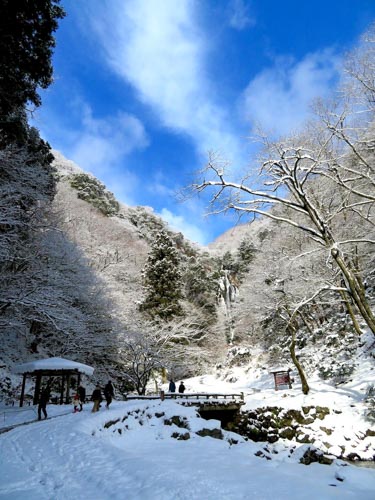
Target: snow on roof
[[275, 369], [53, 364]]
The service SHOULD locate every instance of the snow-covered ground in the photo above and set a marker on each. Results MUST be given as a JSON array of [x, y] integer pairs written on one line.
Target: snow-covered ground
[[134, 456]]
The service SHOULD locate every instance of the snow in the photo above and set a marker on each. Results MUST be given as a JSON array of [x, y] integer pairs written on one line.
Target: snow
[[53, 364], [128, 452]]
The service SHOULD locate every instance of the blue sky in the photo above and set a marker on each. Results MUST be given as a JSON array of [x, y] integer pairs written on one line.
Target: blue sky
[[145, 88]]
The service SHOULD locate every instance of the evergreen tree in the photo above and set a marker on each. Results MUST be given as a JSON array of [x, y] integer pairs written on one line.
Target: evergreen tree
[[201, 285], [26, 45], [162, 279]]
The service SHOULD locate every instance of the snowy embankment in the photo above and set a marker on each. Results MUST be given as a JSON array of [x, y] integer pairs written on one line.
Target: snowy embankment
[[153, 450], [344, 432], [157, 450]]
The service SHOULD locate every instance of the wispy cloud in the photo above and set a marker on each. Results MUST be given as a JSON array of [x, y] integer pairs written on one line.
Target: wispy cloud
[[100, 146], [279, 98], [103, 142], [181, 224], [160, 50], [240, 15]]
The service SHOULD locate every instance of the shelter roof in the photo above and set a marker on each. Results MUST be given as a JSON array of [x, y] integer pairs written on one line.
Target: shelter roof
[[53, 364], [277, 369]]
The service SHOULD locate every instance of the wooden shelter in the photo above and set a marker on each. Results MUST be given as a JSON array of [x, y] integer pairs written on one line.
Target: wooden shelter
[[52, 367]]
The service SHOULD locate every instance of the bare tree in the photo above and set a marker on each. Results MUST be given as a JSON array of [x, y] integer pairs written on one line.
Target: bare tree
[[289, 175], [315, 182], [160, 346], [139, 357]]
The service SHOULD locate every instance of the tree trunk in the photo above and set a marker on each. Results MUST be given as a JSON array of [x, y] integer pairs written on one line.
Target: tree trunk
[[351, 312], [355, 286], [297, 364]]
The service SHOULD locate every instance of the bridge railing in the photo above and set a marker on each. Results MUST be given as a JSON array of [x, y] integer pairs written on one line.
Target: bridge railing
[[190, 396]]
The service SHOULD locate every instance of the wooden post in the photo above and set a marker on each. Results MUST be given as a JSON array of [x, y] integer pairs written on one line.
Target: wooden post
[[37, 389], [62, 389], [67, 388], [23, 389]]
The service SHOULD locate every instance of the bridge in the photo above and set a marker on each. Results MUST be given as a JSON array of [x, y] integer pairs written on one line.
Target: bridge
[[218, 406]]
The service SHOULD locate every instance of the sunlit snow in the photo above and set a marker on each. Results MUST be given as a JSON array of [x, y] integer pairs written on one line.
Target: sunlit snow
[[128, 452]]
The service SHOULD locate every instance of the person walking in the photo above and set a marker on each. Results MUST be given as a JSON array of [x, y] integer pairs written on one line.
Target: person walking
[[181, 388], [172, 386], [43, 400], [82, 396], [97, 398], [109, 393], [76, 402]]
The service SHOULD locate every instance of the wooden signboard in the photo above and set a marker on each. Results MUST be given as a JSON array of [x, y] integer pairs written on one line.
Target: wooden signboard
[[282, 378]]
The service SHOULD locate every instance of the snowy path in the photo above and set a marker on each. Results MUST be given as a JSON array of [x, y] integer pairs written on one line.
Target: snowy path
[[61, 459]]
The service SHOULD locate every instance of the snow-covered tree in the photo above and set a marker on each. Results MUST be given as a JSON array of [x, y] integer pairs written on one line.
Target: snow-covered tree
[[200, 285], [162, 279], [170, 347], [26, 47], [313, 182]]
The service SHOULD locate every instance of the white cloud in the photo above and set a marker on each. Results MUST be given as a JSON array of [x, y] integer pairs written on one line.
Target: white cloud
[[158, 48], [189, 230], [102, 142], [279, 98], [98, 145], [240, 17]]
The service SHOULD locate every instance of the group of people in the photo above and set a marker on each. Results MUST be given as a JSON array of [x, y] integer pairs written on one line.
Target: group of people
[[79, 399], [109, 394], [172, 387]]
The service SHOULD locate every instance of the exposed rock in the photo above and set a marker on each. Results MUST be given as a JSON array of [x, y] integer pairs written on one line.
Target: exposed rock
[[326, 430], [271, 423], [260, 454], [110, 423], [322, 412], [307, 409], [288, 433], [354, 457], [312, 455], [303, 438], [178, 421], [214, 433], [272, 438], [181, 437]]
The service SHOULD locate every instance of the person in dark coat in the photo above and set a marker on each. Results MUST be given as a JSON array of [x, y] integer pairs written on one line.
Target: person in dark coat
[[97, 398], [43, 400], [181, 388], [172, 386], [108, 393], [82, 396]]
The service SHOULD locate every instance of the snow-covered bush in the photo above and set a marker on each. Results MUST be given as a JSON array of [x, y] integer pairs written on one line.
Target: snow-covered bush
[[94, 192]]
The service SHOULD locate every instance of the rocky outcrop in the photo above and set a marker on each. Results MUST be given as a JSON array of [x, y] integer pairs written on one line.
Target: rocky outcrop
[[303, 426], [272, 423]]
